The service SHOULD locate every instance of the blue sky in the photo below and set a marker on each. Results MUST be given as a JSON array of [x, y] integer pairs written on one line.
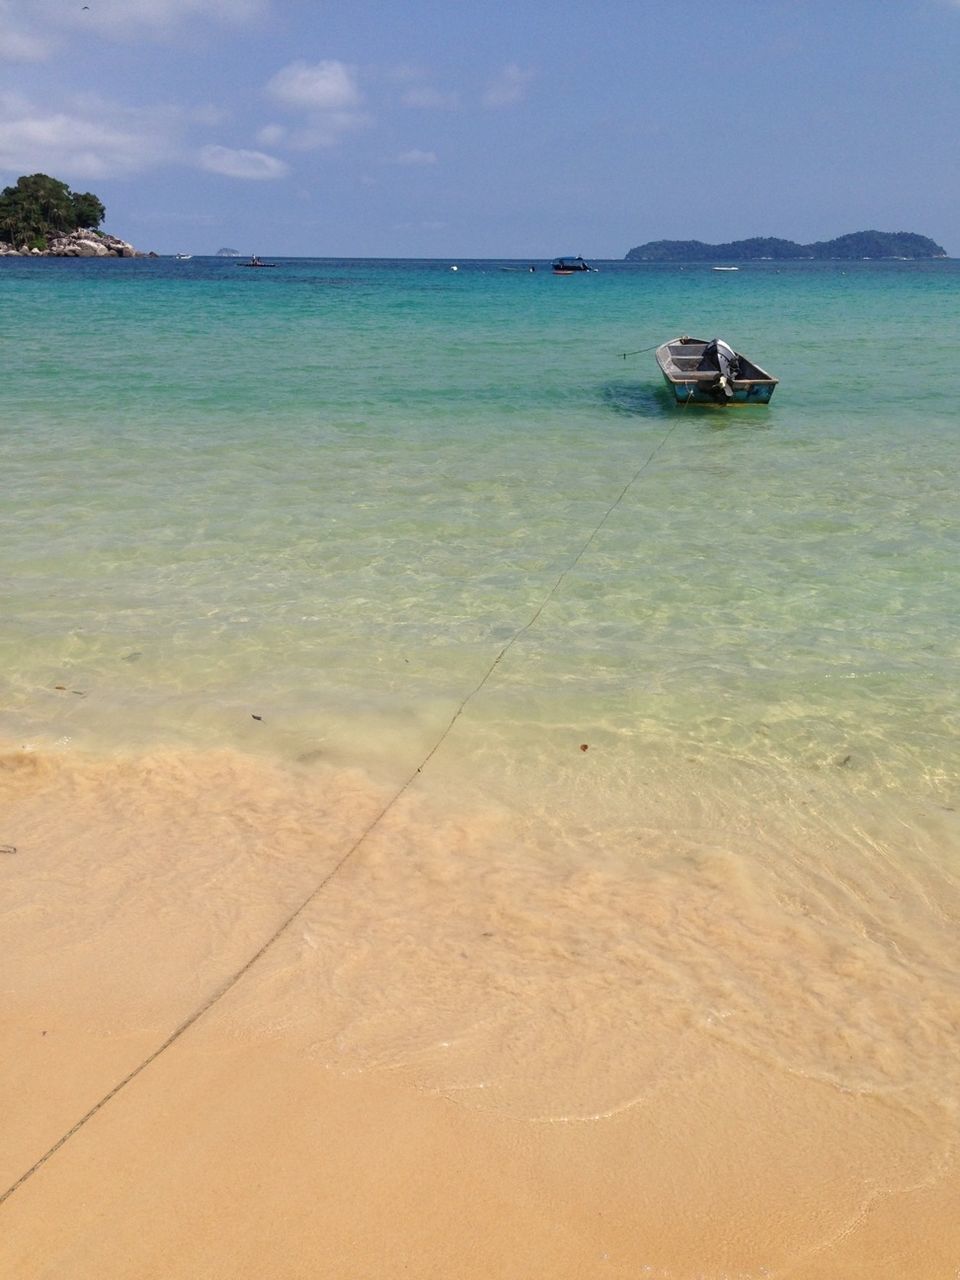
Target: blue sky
[[499, 129]]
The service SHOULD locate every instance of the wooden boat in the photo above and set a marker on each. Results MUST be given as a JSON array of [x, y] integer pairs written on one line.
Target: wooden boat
[[712, 373], [570, 266]]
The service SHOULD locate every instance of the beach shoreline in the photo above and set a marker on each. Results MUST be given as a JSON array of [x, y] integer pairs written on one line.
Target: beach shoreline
[[381, 1089], [461, 814]]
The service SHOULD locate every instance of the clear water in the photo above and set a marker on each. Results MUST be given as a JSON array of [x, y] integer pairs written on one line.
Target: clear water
[[329, 493], [687, 675]]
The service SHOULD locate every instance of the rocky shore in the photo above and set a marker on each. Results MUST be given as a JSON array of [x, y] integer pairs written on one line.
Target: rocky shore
[[82, 243]]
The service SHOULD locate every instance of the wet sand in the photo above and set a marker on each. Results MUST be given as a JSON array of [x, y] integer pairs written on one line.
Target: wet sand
[[465, 1054]]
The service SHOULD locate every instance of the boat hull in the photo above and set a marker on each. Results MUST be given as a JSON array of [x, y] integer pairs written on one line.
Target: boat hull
[[743, 393], [679, 361], [570, 266]]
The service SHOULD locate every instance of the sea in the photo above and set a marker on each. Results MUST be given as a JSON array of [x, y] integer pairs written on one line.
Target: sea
[[631, 726]]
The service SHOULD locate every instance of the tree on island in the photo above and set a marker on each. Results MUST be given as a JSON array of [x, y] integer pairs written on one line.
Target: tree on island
[[39, 208]]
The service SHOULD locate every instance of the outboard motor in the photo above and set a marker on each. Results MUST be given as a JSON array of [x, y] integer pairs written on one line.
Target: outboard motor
[[719, 356]]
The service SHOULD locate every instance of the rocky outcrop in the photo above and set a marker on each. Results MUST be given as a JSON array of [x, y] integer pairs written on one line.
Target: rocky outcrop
[[82, 243]]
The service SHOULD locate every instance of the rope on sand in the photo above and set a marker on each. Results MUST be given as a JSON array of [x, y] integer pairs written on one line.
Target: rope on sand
[[230, 982]]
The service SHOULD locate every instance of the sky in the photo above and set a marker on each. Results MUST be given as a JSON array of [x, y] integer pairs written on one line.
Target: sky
[[496, 129]]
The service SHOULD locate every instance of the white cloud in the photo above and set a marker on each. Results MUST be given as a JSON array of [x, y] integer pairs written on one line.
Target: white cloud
[[253, 165], [417, 157], [328, 95], [86, 139], [36, 34], [90, 138], [19, 45], [326, 130], [325, 86], [509, 87], [272, 135]]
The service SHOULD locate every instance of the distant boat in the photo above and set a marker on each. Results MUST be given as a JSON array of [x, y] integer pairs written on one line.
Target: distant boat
[[570, 266], [183, 257], [712, 373], [726, 268], [256, 262]]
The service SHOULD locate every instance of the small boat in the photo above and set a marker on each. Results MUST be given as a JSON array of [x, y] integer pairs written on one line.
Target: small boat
[[726, 268], [183, 257], [712, 373], [570, 266], [255, 262]]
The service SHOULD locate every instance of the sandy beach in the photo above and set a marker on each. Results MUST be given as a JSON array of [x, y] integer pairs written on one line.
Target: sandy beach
[[348, 1106], [460, 815]]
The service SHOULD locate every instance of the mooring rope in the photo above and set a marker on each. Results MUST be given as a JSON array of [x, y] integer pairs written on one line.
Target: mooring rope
[[642, 352], [231, 981]]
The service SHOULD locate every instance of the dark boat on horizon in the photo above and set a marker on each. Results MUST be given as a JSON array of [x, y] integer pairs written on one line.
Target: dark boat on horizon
[[570, 266]]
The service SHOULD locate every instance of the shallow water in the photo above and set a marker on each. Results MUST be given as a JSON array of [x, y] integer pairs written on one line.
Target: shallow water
[[335, 490], [679, 683]]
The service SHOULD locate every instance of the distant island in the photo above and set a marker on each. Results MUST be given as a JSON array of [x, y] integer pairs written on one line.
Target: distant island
[[228, 253], [859, 244]]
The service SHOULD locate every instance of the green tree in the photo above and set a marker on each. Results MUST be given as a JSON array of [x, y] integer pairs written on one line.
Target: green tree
[[39, 207], [88, 210]]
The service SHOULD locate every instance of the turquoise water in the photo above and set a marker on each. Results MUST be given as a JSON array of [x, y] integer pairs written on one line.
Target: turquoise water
[[328, 494], [680, 682]]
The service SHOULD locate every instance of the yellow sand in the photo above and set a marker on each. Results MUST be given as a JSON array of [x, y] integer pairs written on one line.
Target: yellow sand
[[464, 1056]]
